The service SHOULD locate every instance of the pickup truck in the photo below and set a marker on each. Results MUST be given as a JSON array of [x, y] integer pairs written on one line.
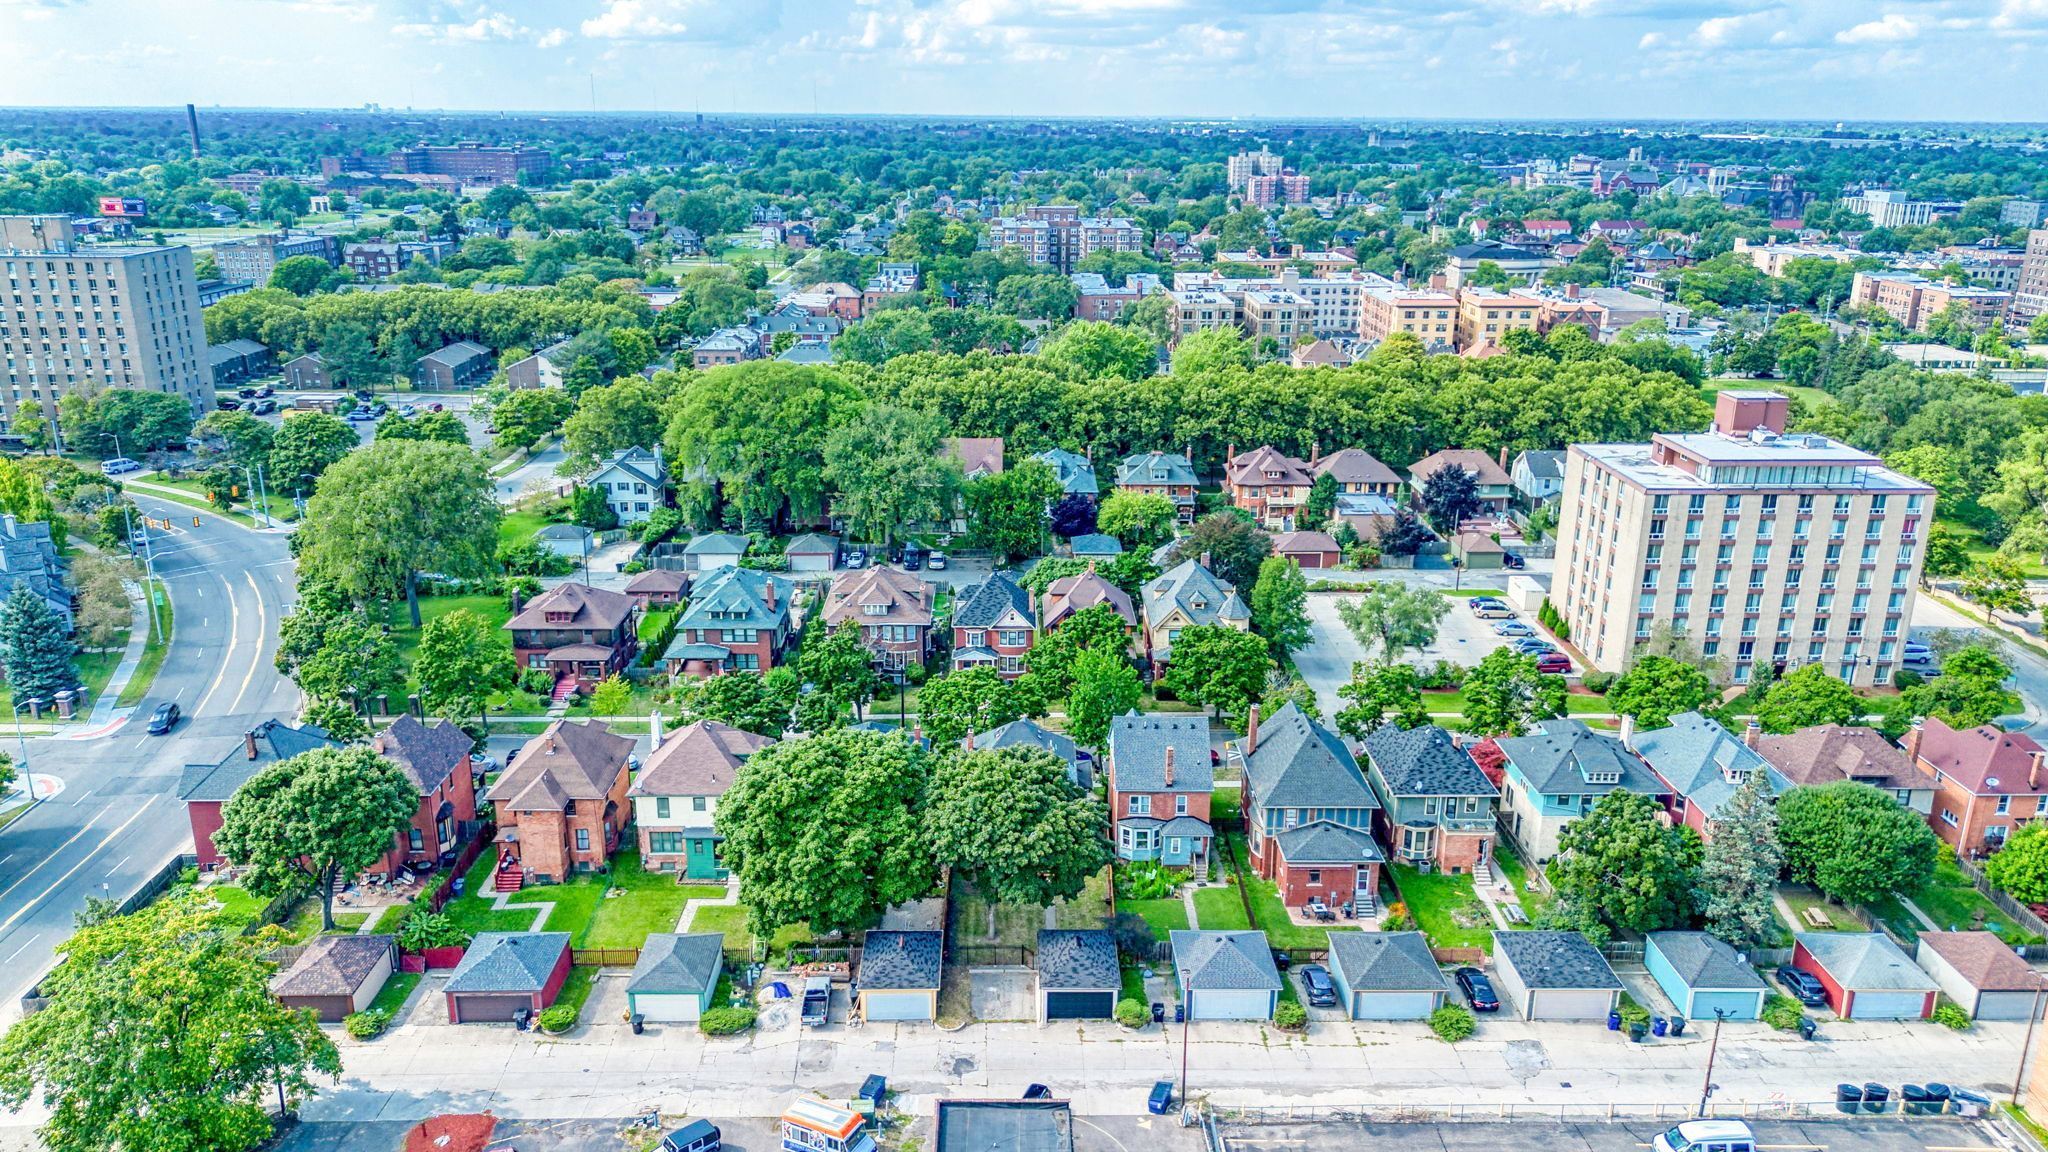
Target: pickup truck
[[817, 1001]]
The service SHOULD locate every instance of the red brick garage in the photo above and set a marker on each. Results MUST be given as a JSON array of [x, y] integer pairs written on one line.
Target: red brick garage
[[504, 972]]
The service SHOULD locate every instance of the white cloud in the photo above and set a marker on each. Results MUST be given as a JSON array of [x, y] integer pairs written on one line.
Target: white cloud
[[691, 20], [552, 38], [491, 26], [2016, 14], [1720, 30], [1894, 27]]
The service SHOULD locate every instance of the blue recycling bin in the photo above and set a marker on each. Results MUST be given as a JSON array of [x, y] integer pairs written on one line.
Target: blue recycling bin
[[1658, 1025], [1614, 1021]]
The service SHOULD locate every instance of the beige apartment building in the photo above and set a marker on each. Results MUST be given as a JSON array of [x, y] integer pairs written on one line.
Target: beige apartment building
[[1326, 305], [1277, 315], [1430, 316], [1914, 301], [1486, 316], [2030, 299], [1766, 549], [1059, 236], [119, 317]]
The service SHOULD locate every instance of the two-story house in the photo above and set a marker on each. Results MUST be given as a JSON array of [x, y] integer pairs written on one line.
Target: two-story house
[[1358, 473], [1556, 774], [738, 620], [1308, 813], [577, 632], [1073, 470], [1987, 782], [436, 759], [1704, 764], [1082, 591], [1167, 474], [632, 480], [1436, 805], [1832, 753], [893, 611], [1269, 484], [994, 626], [561, 803], [1186, 596], [1160, 785], [206, 788], [1496, 489], [675, 797]]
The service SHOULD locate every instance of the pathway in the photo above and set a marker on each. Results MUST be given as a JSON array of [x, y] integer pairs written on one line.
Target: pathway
[[105, 709], [731, 897]]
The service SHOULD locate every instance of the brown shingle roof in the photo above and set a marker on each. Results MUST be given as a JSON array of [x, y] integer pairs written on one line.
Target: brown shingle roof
[[593, 608], [977, 453], [1985, 761], [566, 762], [333, 966], [1355, 466], [1984, 960], [658, 580], [699, 760], [1485, 468], [1827, 753], [427, 753], [1295, 543], [906, 599], [1250, 468], [1071, 594]]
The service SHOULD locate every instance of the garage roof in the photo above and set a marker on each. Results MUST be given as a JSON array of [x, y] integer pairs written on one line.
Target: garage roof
[[333, 966], [508, 962], [898, 961], [1077, 958], [678, 962], [1225, 961], [1865, 962], [1556, 960], [1705, 963], [1386, 962], [1988, 963]]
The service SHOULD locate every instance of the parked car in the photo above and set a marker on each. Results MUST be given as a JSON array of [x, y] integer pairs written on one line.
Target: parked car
[[1514, 630], [263, 407], [1554, 664], [1512, 560], [1486, 602], [936, 561], [164, 718], [1706, 1136], [856, 559], [118, 465], [246, 393], [1477, 989], [696, 1136], [265, 392], [1532, 645], [1804, 986], [1322, 991], [408, 412], [436, 406], [1493, 612], [227, 403], [361, 414]]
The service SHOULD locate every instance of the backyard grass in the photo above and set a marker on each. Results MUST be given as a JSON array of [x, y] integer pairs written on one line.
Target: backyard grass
[[1219, 909], [1952, 902], [648, 902], [153, 650], [392, 996], [1437, 901], [1226, 808], [304, 922], [1088, 908], [493, 609], [1269, 915], [1509, 862], [1799, 898], [978, 920], [1168, 915], [390, 918], [731, 919], [576, 989], [518, 525], [238, 902], [651, 902], [1133, 984]]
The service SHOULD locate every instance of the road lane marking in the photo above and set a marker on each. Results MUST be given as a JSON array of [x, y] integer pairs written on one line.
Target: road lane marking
[[234, 630], [23, 948], [39, 897], [256, 660], [52, 855]]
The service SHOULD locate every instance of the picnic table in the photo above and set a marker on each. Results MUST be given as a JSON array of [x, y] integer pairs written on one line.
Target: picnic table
[[1818, 917]]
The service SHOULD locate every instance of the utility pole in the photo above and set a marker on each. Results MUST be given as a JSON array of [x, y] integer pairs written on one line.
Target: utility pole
[[148, 566], [2026, 1046], [1186, 1019], [1713, 1046]]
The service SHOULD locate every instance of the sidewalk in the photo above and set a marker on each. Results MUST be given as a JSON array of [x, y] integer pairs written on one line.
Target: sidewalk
[[105, 711]]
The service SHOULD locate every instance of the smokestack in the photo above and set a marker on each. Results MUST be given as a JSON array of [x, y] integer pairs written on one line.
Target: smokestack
[[2034, 769], [249, 740], [192, 126], [1913, 735], [1169, 765], [1251, 731], [1752, 733]]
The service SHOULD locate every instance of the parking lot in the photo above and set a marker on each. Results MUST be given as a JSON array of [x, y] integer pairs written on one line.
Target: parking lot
[[1325, 663]]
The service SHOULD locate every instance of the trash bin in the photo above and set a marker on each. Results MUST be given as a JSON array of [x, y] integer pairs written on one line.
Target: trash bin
[[1614, 1021], [1807, 1028], [1678, 1025], [1848, 1099], [458, 884], [1658, 1025], [1180, 1013], [638, 1021], [1970, 1103], [1937, 1100], [1158, 1012], [1876, 1098], [1912, 1100], [1638, 1032]]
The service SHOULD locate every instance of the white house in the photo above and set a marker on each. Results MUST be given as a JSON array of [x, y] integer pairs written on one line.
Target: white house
[[632, 480]]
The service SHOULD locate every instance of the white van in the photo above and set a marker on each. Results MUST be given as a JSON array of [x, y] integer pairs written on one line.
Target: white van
[[118, 465], [1706, 1136]]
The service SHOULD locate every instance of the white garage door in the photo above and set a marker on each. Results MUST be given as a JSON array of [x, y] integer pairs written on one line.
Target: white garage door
[[814, 563], [1392, 1005], [898, 1006], [1887, 1005], [1210, 1005], [672, 1006], [2004, 1005], [1553, 1004]]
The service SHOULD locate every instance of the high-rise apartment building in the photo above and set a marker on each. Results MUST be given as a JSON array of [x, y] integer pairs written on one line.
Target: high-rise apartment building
[[72, 313], [1057, 235], [1283, 187], [1325, 305], [1888, 209], [2030, 299], [252, 260], [1240, 169], [1766, 549]]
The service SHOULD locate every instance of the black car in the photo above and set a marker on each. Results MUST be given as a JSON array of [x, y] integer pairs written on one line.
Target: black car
[[227, 403], [1477, 989], [1512, 560], [1038, 1092], [164, 718], [246, 393], [1322, 991], [1803, 987]]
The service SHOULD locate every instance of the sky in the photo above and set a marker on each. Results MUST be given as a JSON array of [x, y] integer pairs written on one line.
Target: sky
[[1567, 59]]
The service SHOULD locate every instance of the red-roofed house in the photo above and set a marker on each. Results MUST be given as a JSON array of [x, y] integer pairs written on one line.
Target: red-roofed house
[[1269, 484], [1547, 229], [1309, 549], [1987, 782]]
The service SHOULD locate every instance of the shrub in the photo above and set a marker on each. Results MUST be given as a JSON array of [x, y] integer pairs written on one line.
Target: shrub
[[1397, 919], [558, 1019], [1133, 1013], [538, 681], [726, 1021], [1145, 880], [1782, 1013], [1599, 682], [367, 1025], [1951, 1016], [1452, 1023], [1906, 678], [1291, 1016], [422, 930], [1633, 1013]]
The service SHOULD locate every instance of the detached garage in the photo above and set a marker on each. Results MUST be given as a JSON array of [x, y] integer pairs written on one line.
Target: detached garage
[[1226, 975], [898, 977], [1387, 975], [1703, 975], [505, 972], [1982, 974], [1554, 976], [1865, 975], [812, 553], [677, 976], [337, 975], [1078, 977]]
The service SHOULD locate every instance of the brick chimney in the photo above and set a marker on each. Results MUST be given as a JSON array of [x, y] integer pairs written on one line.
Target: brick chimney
[[1251, 731], [1503, 457], [1752, 733], [2034, 768], [1169, 765], [1315, 451], [1913, 737], [1571, 291], [769, 583], [249, 741], [1628, 732], [969, 742]]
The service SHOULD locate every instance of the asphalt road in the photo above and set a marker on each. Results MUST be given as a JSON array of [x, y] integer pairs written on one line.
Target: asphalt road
[[116, 819]]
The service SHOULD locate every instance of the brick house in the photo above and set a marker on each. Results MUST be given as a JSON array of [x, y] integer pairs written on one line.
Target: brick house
[[1269, 484], [1987, 782], [1831, 753], [993, 626], [1309, 813], [1082, 591], [577, 632], [1704, 764], [1494, 487], [562, 803], [436, 758], [1167, 474], [463, 364], [206, 788], [893, 610], [675, 797], [658, 588], [739, 620], [1436, 804], [1161, 779]]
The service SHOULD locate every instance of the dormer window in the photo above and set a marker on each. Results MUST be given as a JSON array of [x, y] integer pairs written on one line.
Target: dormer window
[[1198, 603], [874, 609], [1603, 777], [560, 617]]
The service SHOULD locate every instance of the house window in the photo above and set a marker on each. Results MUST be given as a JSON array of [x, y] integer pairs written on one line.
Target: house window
[[1315, 876], [1173, 846], [661, 807], [1948, 817], [583, 839], [2004, 805], [414, 840], [697, 803], [665, 843], [1141, 806], [1180, 804]]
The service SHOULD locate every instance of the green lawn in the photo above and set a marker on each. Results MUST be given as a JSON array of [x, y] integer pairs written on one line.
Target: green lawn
[[650, 902], [1269, 915], [1952, 902], [494, 609], [1800, 898], [390, 918], [731, 919], [1979, 548], [392, 996], [1437, 901], [1088, 908], [519, 524], [1226, 808], [639, 703], [978, 920], [1510, 865], [576, 989], [1169, 915], [1219, 908], [646, 902], [153, 650], [238, 902]]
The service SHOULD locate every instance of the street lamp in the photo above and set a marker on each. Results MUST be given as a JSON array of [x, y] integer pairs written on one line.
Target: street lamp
[[1713, 1046], [31, 702]]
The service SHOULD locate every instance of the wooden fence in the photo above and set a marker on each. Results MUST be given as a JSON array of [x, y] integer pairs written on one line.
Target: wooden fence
[[2020, 913], [604, 957]]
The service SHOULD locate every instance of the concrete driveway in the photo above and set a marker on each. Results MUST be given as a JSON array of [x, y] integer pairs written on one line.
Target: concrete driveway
[[1002, 993]]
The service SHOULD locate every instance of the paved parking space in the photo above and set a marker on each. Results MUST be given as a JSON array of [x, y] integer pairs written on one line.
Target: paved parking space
[[1870, 1135], [1003, 994], [1325, 663]]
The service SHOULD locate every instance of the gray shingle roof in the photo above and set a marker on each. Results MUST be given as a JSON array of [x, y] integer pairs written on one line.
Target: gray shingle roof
[[460, 352], [900, 960], [1028, 734], [699, 760], [1077, 958], [427, 753], [678, 962], [1224, 961], [1556, 960], [1386, 962], [1355, 466], [1198, 593], [334, 966], [508, 962], [1705, 963], [1566, 758], [1299, 763], [1865, 962], [985, 604], [1137, 752], [1074, 472], [736, 598], [718, 543], [1155, 468], [639, 464], [1327, 842], [274, 741], [1424, 762], [566, 762], [1704, 761], [1096, 544], [1543, 464]]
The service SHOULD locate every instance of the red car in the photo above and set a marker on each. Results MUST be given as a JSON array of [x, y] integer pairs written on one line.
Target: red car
[[1554, 662]]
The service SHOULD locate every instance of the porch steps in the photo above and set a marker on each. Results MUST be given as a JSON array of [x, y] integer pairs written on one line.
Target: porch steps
[[1202, 870], [510, 879], [1365, 904], [1482, 872], [564, 688]]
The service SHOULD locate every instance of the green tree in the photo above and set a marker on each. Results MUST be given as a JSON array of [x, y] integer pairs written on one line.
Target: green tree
[[337, 657], [529, 416], [33, 647], [1739, 873], [1097, 350], [890, 469], [33, 427], [1233, 544], [1322, 501], [1217, 666], [1105, 686], [306, 445], [952, 706], [1394, 618], [1805, 698], [1449, 495], [757, 432], [1010, 822], [1946, 555], [1854, 842], [745, 700], [633, 349], [1505, 694], [1051, 660], [445, 427], [591, 508], [160, 1034], [301, 823], [124, 421], [1139, 519], [1970, 690], [829, 831], [1006, 511], [1620, 867], [1656, 688], [1381, 694], [385, 514], [611, 697], [1280, 604], [2020, 869], [350, 357], [1999, 584], [624, 414], [1489, 274], [303, 275], [236, 438], [461, 661], [838, 663]]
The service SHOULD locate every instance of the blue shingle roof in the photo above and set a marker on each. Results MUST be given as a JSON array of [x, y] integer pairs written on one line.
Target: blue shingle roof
[[508, 962], [1704, 761]]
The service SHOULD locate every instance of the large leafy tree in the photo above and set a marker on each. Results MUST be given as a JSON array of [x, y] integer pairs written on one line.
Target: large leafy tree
[[1505, 694], [336, 656], [1656, 688], [161, 1035], [393, 510], [952, 706], [624, 414], [1381, 694], [1394, 618], [1233, 544], [1999, 584], [34, 651], [306, 445], [1006, 511], [1970, 690], [1806, 697], [1072, 515], [1449, 495], [236, 438], [1012, 823], [2020, 869], [829, 831], [745, 700], [889, 471], [1099, 349], [530, 414], [837, 663], [1280, 604], [1218, 667], [350, 356], [756, 432], [1105, 686], [302, 822], [1621, 868], [462, 659], [1853, 842], [1139, 519], [1051, 660], [1739, 873], [117, 421]]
